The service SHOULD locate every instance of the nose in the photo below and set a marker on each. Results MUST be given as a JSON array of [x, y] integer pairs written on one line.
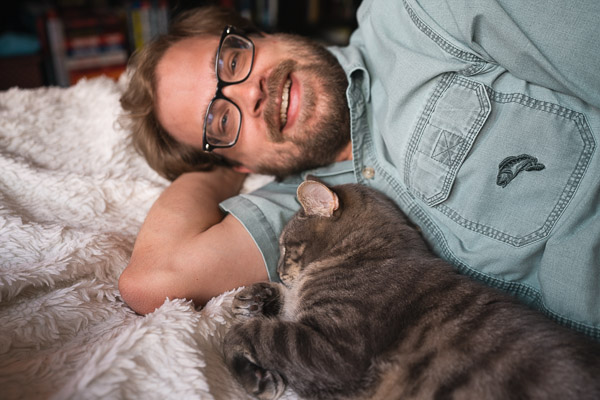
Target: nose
[[249, 95]]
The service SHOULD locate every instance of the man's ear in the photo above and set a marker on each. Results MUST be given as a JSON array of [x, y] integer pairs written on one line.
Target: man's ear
[[243, 170], [317, 199]]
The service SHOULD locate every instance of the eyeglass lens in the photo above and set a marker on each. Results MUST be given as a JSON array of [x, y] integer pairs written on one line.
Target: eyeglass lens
[[234, 63], [235, 59]]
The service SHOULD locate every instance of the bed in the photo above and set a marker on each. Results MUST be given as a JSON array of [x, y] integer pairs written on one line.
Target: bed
[[73, 195]]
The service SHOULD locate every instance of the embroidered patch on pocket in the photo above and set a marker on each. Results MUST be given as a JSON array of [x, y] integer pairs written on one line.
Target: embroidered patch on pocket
[[447, 148], [510, 167]]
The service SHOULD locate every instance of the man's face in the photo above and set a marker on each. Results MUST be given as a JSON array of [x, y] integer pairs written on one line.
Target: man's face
[[275, 138]]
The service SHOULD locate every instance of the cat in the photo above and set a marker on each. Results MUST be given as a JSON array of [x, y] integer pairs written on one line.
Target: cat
[[366, 311]]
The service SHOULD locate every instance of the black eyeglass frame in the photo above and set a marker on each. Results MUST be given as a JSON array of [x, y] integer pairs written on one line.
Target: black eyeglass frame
[[229, 30]]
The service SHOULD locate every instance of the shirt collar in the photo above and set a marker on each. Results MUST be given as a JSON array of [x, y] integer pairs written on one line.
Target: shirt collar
[[353, 64]]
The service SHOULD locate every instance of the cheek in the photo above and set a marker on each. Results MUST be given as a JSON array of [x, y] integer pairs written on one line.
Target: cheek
[[254, 134], [248, 146]]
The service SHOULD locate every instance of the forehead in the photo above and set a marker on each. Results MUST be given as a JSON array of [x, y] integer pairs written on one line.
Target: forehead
[[186, 59], [185, 83]]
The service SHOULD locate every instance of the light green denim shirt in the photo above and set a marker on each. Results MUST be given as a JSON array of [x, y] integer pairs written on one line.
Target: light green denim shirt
[[482, 120]]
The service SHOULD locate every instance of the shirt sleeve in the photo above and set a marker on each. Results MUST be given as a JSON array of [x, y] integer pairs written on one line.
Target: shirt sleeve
[[264, 213], [552, 43]]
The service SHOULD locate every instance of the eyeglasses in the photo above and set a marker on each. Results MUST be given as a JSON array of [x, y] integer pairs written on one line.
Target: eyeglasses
[[223, 120]]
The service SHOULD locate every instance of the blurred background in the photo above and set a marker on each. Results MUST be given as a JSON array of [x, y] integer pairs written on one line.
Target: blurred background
[[58, 42]]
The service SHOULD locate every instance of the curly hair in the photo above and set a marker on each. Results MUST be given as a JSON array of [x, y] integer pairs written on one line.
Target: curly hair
[[163, 153]]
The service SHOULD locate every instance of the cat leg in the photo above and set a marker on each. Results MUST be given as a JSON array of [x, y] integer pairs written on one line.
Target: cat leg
[[262, 383], [263, 298], [260, 299], [241, 360], [266, 354]]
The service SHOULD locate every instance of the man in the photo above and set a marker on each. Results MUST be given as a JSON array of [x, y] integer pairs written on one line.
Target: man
[[481, 122]]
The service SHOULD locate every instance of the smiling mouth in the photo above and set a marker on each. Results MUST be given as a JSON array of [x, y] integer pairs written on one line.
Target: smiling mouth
[[285, 101]]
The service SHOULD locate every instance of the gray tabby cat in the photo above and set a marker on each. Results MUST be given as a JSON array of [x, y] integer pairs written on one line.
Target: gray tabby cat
[[366, 311]]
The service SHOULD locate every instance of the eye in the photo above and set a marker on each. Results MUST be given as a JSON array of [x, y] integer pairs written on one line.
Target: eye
[[233, 64], [223, 122]]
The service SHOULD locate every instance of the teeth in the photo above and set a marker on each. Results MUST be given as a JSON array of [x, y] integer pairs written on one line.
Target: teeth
[[285, 100]]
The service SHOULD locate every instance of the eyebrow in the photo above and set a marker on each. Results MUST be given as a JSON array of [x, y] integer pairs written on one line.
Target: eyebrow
[[213, 61]]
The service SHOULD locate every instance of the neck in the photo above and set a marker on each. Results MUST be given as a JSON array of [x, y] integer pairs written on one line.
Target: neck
[[346, 153]]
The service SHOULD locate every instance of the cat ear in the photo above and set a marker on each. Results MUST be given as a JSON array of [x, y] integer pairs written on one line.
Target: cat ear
[[317, 199]]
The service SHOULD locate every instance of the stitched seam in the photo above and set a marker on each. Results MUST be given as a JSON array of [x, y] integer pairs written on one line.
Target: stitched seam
[[444, 44], [573, 181], [462, 149], [469, 139], [422, 123], [516, 288], [358, 126], [445, 148]]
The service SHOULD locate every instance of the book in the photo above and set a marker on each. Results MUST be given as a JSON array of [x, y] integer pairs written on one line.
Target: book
[[56, 44], [146, 20]]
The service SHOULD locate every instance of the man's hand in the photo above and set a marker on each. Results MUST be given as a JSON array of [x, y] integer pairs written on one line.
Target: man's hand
[[188, 248]]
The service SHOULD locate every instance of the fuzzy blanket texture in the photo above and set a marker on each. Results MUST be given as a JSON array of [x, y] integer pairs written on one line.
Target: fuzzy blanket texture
[[73, 195]]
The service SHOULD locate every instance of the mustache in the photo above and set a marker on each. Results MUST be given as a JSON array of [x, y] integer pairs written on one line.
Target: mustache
[[272, 107]]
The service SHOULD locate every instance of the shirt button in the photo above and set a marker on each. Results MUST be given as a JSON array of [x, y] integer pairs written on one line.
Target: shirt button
[[368, 172]]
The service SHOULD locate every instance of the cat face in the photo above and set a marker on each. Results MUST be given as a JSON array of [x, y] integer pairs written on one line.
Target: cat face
[[297, 240], [339, 219]]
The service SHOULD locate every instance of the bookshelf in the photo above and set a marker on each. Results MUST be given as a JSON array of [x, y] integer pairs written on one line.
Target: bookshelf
[[329, 21], [87, 38], [90, 38]]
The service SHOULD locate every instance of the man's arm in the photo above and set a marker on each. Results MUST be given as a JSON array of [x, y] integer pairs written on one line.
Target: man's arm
[[187, 247]]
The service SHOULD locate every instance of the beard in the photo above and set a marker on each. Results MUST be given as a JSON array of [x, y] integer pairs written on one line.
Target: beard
[[316, 144]]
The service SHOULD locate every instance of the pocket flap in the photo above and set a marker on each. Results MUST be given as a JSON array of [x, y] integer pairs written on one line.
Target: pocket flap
[[444, 135]]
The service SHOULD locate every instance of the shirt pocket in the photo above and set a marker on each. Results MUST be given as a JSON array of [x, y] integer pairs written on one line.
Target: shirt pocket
[[504, 165]]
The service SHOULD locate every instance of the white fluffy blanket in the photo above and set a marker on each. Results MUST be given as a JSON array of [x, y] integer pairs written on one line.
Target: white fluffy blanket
[[73, 195]]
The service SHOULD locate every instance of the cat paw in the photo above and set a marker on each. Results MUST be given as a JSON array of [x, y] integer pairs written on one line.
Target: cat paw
[[269, 385], [258, 299], [262, 383]]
